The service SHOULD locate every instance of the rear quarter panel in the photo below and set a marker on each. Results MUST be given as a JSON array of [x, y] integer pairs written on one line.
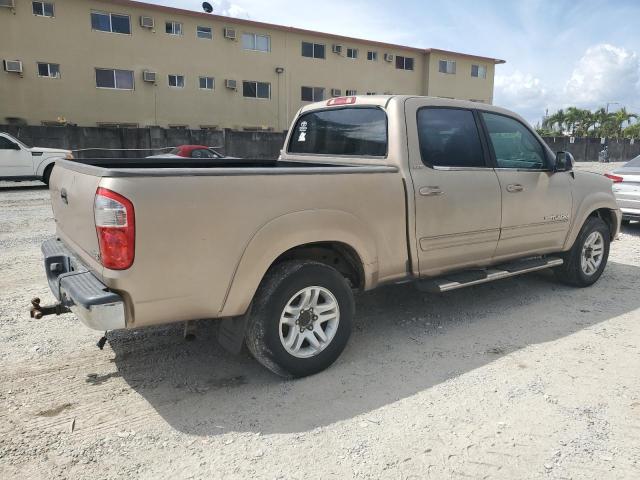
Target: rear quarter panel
[[203, 243]]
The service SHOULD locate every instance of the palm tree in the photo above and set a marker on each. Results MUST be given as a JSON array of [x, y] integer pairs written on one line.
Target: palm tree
[[620, 118]]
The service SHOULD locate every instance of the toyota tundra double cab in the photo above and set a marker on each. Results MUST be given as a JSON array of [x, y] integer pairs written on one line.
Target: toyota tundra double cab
[[367, 191]]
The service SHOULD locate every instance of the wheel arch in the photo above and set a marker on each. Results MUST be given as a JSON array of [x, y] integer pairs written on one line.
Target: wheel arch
[[332, 237], [599, 205], [46, 163]]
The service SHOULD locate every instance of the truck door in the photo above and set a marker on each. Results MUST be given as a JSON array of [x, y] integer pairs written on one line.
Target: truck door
[[536, 201], [15, 161], [456, 191]]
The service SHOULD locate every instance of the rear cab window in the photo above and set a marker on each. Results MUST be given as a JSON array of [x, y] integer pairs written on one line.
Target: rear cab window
[[354, 131]]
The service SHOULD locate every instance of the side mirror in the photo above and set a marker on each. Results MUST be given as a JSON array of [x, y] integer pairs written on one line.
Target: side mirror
[[564, 162]]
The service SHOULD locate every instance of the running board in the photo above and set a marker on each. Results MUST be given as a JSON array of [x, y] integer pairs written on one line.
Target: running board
[[467, 278]]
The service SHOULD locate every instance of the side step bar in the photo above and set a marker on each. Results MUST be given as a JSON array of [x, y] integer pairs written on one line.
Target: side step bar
[[467, 278]]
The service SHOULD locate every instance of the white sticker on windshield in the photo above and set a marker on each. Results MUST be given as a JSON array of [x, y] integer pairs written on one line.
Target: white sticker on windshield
[[302, 137]]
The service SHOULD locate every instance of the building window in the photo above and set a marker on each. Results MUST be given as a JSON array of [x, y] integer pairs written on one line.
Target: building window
[[207, 83], [252, 89], [350, 93], [42, 9], [113, 78], [50, 70], [204, 32], [311, 94], [176, 81], [479, 71], [173, 28], [313, 50], [252, 41], [447, 66], [373, 56], [110, 22], [404, 63], [352, 53]]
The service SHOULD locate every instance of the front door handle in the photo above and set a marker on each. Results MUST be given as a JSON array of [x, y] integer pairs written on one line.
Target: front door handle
[[515, 187], [63, 195], [430, 191]]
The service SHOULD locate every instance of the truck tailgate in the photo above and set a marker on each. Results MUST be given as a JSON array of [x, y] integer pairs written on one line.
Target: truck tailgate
[[72, 197]]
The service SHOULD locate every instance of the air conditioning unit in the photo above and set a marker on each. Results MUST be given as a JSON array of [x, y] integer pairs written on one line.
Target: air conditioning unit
[[388, 57], [230, 33], [8, 3], [14, 66], [336, 49], [336, 92], [231, 84], [148, 76], [147, 22]]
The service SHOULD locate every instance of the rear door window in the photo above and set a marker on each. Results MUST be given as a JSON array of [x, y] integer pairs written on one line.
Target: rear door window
[[449, 138], [358, 131]]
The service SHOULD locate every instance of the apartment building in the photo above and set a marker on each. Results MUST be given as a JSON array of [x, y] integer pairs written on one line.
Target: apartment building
[[127, 63]]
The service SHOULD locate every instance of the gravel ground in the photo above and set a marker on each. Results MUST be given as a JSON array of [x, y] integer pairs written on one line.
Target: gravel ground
[[522, 378]]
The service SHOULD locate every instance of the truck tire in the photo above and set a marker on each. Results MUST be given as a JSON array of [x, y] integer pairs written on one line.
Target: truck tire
[[47, 174], [585, 262], [300, 320]]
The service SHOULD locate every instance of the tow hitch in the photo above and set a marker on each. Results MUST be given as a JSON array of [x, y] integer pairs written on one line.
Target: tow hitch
[[38, 311]]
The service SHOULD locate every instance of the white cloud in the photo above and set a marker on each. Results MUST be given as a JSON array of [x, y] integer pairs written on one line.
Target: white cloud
[[225, 7], [520, 90], [604, 73]]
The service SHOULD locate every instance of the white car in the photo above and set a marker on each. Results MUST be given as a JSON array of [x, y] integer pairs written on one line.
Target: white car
[[19, 162]]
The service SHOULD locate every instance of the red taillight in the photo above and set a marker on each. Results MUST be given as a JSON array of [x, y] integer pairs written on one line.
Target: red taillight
[[614, 178], [116, 229], [342, 101]]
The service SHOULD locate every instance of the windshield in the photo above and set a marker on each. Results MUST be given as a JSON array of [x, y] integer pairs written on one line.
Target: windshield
[[634, 162]]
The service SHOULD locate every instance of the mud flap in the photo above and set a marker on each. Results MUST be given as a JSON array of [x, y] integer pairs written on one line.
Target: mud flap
[[231, 333]]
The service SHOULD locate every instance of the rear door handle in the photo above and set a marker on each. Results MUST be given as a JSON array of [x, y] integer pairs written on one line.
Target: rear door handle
[[515, 187], [430, 191]]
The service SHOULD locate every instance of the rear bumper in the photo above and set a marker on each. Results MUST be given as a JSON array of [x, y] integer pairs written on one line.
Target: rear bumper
[[630, 213], [77, 288]]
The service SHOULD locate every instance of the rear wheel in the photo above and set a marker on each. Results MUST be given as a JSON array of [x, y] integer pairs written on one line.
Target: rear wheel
[[585, 262], [300, 320], [47, 174]]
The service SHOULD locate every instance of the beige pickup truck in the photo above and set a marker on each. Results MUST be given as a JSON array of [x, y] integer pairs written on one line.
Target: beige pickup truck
[[367, 191]]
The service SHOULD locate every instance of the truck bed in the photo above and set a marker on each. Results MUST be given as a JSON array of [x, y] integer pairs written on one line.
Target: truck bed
[[171, 165], [206, 231]]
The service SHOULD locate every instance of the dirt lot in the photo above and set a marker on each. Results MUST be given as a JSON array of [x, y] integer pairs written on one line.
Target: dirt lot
[[522, 378]]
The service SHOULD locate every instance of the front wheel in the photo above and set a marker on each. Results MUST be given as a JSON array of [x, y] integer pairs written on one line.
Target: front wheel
[[46, 176], [585, 262], [300, 320]]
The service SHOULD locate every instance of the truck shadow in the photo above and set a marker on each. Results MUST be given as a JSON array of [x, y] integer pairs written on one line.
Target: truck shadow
[[404, 342]]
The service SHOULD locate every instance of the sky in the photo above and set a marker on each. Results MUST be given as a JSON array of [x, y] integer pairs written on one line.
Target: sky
[[559, 53]]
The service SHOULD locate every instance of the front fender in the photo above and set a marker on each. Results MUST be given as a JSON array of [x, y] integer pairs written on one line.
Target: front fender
[[292, 230], [45, 162], [589, 204]]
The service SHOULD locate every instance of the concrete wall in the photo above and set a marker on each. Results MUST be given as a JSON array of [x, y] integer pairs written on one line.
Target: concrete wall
[[147, 141], [67, 39], [587, 149]]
